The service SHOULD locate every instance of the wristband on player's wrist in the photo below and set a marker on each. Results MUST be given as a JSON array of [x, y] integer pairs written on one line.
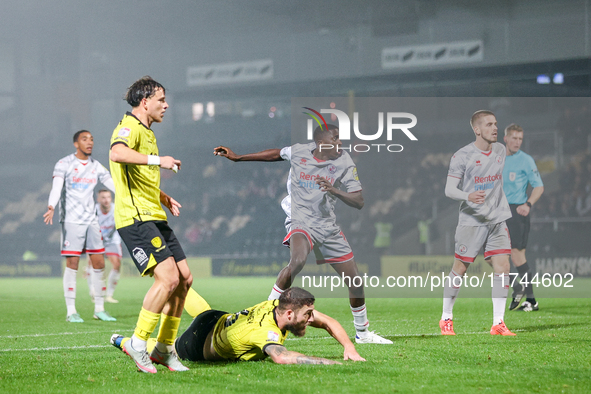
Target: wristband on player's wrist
[[153, 160], [528, 204]]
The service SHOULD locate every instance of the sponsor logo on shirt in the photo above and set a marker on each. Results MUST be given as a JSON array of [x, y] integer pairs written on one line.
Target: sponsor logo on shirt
[[488, 178], [106, 229], [140, 256], [309, 181], [82, 183], [124, 132], [272, 336], [486, 182]]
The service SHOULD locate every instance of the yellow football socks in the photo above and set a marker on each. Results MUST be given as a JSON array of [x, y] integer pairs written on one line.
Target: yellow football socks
[[169, 327], [146, 324], [195, 304], [150, 345]]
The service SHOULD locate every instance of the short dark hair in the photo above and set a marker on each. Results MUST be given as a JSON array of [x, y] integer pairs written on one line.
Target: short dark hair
[[104, 190], [294, 298], [513, 127], [321, 130], [143, 88], [479, 114], [77, 135]]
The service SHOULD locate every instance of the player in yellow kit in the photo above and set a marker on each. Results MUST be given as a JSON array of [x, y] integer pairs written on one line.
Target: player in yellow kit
[[141, 223], [256, 332]]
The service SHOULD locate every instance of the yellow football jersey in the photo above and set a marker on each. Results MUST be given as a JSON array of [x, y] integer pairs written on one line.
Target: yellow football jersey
[[245, 334], [137, 186]]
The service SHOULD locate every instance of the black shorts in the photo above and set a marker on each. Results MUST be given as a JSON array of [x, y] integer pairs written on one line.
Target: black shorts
[[150, 243], [518, 228], [189, 346]]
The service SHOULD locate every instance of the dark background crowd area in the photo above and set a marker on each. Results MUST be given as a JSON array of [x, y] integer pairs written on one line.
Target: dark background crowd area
[[233, 209]]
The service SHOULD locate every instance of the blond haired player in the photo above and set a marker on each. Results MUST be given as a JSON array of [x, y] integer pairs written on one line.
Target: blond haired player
[[475, 178], [142, 224]]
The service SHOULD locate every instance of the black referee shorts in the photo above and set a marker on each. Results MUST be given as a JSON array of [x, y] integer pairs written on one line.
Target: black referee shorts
[[189, 346], [149, 243], [518, 228]]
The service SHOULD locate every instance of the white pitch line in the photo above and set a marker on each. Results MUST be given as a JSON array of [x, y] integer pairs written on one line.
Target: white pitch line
[[61, 333], [53, 348], [288, 339], [400, 335]]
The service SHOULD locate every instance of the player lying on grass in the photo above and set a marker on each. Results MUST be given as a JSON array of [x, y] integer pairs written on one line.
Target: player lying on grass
[[254, 333]]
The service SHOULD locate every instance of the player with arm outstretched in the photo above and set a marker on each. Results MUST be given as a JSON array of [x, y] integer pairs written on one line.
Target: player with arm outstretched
[[256, 332], [142, 224], [318, 172], [74, 179], [475, 178]]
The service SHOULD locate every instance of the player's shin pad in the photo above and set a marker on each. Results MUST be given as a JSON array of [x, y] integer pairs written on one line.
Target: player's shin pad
[[146, 324], [169, 327]]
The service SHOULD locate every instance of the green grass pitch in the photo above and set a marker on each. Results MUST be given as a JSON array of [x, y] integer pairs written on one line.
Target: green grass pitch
[[41, 353]]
